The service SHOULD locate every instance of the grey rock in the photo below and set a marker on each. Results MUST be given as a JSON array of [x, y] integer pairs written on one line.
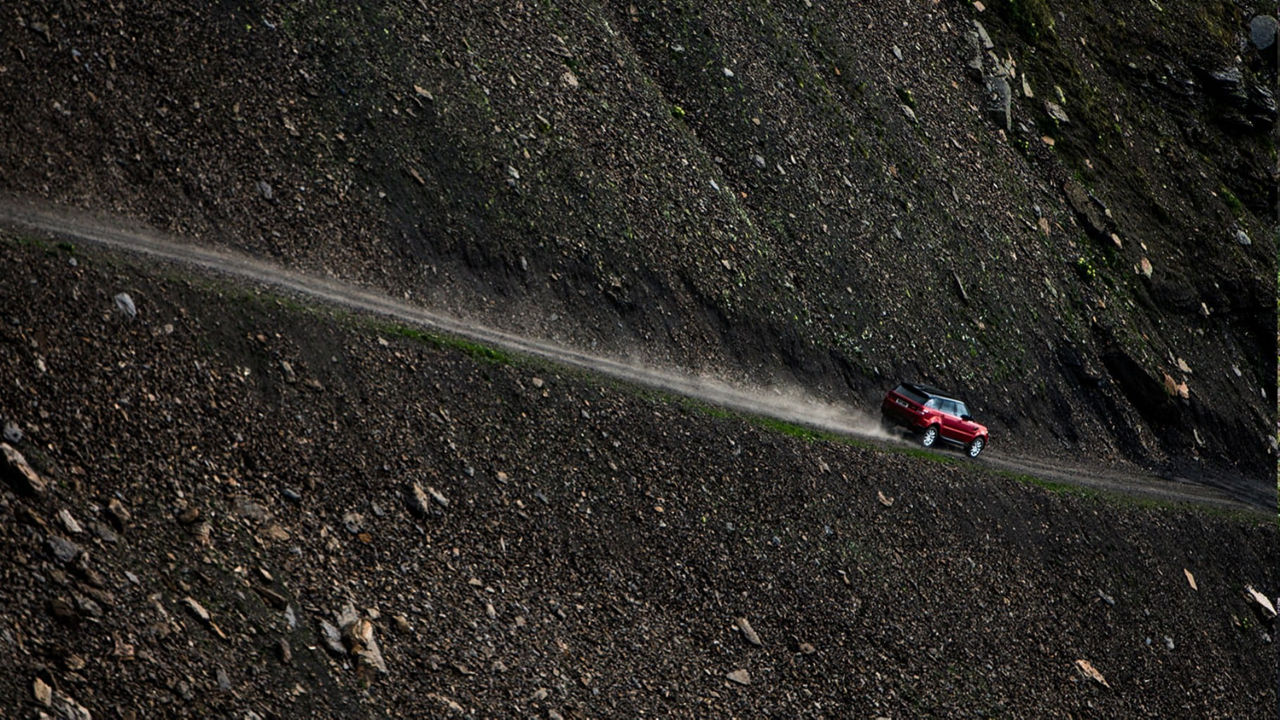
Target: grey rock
[[1242, 237], [250, 510], [1000, 102], [63, 549], [983, 36], [12, 433], [224, 681], [265, 189], [1262, 31], [1056, 112], [103, 531], [332, 638], [289, 375], [291, 495], [758, 160], [975, 54], [741, 677], [125, 305], [897, 53], [64, 706]]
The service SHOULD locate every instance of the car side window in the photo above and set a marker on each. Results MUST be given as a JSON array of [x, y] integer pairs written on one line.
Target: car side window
[[934, 403], [961, 410]]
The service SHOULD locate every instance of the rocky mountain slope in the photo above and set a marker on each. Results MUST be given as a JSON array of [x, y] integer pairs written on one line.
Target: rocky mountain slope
[[216, 501], [1064, 210]]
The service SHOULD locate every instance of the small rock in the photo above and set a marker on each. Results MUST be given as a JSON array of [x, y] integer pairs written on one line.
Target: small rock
[[897, 53], [1000, 102], [1145, 268], [758, 160], [101, 530], [118, 514], [224, 681], [18, 473], [13, 433], [1056, 112], [1262, 601], [332, 638], [196, 609], [42, 692], [1106, 598], [65, 707], [250, 510], [63, 611], [1243, 238], [284, 651], [272, 598], [449, 703], [983, 36], [748, 633], [125, 305], [353, 522], [291, 495], [289, 375], [266, 190], [418, 500], [1089, 671], [1191, 579], [69, 522], [63, 549], [807, 649], [189, 516], [1168, 642], [741, 677], [402, 623]]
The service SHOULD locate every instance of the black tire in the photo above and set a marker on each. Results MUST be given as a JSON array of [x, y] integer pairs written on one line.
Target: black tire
[[930, 436], [975, 447]]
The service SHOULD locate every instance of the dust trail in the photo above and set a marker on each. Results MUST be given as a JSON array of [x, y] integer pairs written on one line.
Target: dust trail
[[787, 404]]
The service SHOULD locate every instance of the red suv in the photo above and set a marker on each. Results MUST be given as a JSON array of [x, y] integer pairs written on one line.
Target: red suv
[[929, 412]]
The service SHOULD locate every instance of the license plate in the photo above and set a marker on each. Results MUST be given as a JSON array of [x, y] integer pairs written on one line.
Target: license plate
[[903, 403]]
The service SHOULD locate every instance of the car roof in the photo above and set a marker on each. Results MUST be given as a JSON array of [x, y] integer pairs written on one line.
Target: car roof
[[931, 391]]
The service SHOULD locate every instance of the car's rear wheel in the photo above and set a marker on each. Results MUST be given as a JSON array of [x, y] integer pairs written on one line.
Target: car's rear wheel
[[930, 436], [975, 447]]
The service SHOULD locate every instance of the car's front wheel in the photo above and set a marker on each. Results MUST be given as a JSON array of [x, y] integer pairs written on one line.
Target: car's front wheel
[[975, 447], [930, 436]]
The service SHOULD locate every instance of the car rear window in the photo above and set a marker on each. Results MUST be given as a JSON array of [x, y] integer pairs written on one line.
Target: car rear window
[[909, 391]]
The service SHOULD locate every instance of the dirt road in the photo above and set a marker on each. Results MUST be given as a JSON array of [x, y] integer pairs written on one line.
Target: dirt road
[[787, 404]]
